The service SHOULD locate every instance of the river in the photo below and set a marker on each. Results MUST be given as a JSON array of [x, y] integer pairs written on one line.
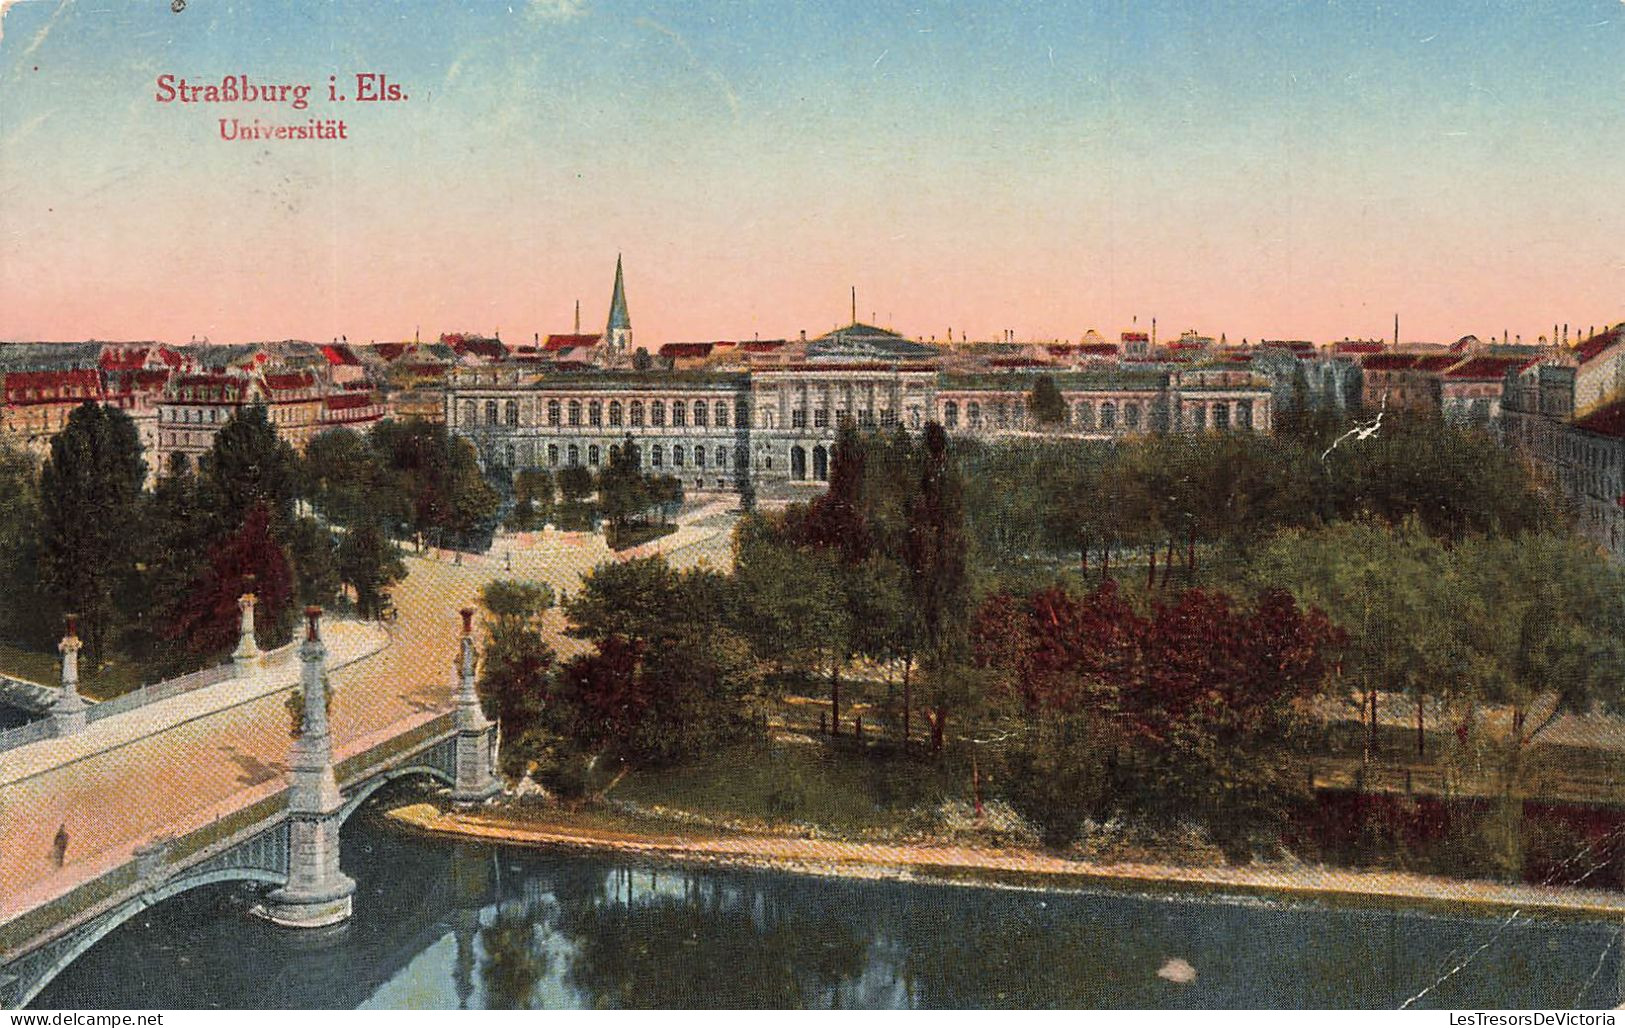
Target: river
[[441, 925]]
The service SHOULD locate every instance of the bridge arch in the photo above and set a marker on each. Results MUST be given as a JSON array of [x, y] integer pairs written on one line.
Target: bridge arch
[[383, 778], [57, 957]]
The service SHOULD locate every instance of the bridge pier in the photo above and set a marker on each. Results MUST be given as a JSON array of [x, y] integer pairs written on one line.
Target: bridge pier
[[318, 893], [475, 780]]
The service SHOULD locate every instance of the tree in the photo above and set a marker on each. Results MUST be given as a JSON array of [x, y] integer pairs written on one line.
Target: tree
[[206, 620], [433, 481], [342, 475], [516, 666], [250, 466], [90, 491], [314, 558], [641, 361], [178, 531], [1045, 402], [935, 555], [532, 494], [623, 491], [667, 675], [20, 598], [575, 483], [368, 563]]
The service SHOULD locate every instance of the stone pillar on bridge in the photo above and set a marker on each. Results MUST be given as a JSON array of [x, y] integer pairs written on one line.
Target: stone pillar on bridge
[[68, 712], [317, 893], [247, 658], [476, 780]]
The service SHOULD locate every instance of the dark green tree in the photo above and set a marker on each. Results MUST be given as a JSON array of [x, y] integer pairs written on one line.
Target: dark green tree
[[1045, 402], [935, 555], [249, 466], [21, 613], [90, 494], [368, 563]]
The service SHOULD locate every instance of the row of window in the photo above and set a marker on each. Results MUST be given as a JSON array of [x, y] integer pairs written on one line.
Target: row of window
[[680, 456], [632, 414]]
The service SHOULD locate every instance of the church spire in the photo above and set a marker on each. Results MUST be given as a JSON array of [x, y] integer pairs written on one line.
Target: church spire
[[618, 334]]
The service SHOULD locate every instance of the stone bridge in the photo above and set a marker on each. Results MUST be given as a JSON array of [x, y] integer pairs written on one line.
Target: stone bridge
[[286, 842]]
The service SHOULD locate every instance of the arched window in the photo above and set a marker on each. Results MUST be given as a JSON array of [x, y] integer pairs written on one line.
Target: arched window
[[950, 414], [553, 455], [573, 454], [1108, 416], [1131, 416], [615, 413], [722, 415], [575, 413], [553, 413], [592, 455], [973, 415], [1083, 415], [722, 456], [657, 414], [700, 414], [490, 412], [614, 454], [637, 413], [676, 456], [914, 417], [657, 455], [699, 456], [470, 414], [679, 413], [510, 414], [595, 413]]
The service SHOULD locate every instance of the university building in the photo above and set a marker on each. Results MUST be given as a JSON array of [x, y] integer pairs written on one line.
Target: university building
[[772, 415]]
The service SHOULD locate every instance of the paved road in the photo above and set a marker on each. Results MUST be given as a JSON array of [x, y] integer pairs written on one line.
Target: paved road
[[173, 767]]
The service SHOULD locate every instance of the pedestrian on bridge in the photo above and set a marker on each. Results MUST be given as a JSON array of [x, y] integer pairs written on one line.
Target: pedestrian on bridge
[[60, 846]]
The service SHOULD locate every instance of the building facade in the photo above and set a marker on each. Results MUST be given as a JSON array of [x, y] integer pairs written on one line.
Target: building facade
[[778, 424]]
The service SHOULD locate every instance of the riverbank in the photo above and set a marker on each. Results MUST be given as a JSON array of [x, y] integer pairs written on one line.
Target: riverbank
[[606, 833]]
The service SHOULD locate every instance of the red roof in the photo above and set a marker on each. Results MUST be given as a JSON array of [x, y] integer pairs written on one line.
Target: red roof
[[340, 355], [555, 342], [1086, 349], [348, 401], [1436, 362], [1486, 368], [1136, 337], [124, 359], [762, 345], [1600, 342], [291, 380], [1358, 346], [1016, 362], [1390, 362], [686, 350], [85, 383], [390, 351], [1609, 421]]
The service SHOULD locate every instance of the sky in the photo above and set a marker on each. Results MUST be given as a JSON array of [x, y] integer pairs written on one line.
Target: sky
[[1274, 169]]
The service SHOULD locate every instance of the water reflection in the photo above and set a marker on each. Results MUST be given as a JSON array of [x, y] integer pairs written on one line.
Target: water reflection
[[447, 926]]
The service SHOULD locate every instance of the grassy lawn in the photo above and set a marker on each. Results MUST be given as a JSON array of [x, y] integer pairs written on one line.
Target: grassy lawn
[[839, 790], [116, 679]]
